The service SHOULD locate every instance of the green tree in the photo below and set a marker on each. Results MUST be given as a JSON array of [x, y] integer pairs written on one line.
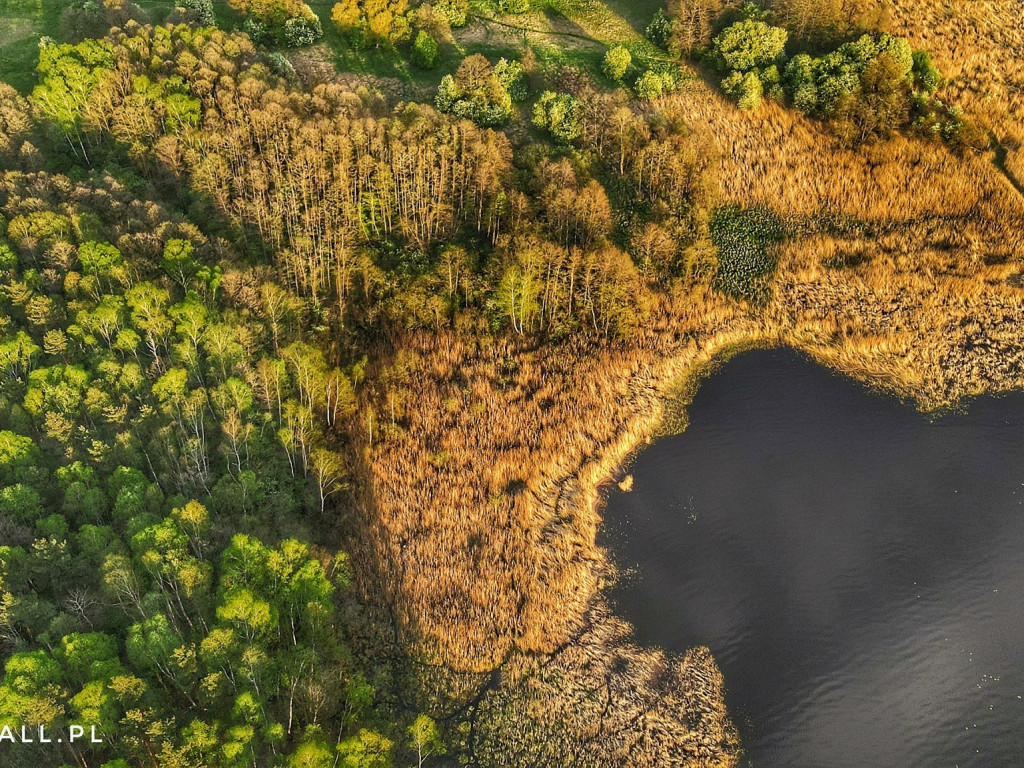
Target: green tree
[[745, 88], [91, 656], [475, 93], [424, 739], [69, 76], [21, 503], [926, 75], [747, 45], [20, 460], [31, 692], [561, 115], [425, 50], [455, 11], [199, 12], [179, 262], [512, 77], [99, 259], [374, 23], [879, 107], [649, 85], [514, 6], [616, 62], [367, 749], [660, 30]]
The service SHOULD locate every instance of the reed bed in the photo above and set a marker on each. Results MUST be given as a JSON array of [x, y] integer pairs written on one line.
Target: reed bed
[[485, 457], [979, 46]]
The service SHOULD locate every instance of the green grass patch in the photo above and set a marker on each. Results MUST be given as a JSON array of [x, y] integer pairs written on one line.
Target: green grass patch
[[637, 12], [19, 52], [158, 10], [745, 238]]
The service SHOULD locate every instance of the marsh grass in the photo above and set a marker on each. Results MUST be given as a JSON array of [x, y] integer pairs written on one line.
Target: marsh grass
[[678, 393]]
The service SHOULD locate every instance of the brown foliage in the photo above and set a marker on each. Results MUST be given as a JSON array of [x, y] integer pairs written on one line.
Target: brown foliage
[[779, 160], [603, 701], [979, 46], [902, 273]]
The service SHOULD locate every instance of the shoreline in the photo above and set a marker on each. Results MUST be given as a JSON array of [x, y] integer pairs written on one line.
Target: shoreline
[[681, 379], [534, 507]]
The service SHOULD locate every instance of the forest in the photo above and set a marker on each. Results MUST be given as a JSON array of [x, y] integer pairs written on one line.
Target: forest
[[323, 324]]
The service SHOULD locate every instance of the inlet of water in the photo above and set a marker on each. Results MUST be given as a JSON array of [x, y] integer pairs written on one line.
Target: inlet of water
[[856, 567]]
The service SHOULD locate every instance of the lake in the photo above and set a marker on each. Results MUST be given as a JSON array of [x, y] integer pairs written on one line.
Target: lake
[[856, 567]]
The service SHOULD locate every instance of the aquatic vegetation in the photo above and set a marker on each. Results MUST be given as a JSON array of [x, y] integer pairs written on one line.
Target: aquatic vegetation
[[746, 263]]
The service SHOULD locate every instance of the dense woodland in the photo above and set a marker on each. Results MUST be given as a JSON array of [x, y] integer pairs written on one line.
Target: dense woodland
[[210, 273]]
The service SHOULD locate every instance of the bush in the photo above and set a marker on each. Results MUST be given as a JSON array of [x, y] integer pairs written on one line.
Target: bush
[[747, 45], [659, 31], [649, 85], [425, 50], [514, 6], [199, 12], [616, 62], [456, 12], [561, 115], [299, 31]]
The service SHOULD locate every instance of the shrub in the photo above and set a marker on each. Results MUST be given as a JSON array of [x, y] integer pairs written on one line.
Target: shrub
[[199, 12], [514, 6], [299, 31], [425, 50], [560, 114], [456, 12], [659, 31], [649, 85], [512, 77], [747, 45], [616, 62]]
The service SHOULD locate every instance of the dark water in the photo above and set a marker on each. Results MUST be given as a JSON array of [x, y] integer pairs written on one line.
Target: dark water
[[856, 567]]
